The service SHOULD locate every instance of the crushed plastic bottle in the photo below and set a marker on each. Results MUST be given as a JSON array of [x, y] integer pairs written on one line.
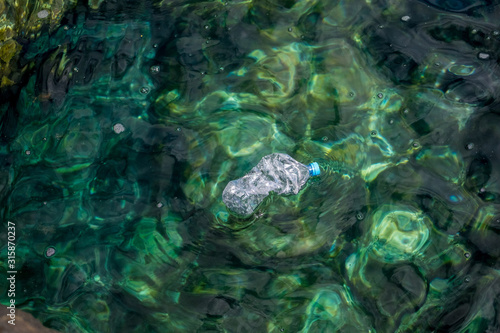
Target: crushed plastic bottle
[[276, 172]]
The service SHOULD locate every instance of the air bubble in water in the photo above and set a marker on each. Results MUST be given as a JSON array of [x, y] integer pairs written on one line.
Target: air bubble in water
[[154, 69], [43, 13], [483, 56], [118, 128], [50, 251], [144, 90]]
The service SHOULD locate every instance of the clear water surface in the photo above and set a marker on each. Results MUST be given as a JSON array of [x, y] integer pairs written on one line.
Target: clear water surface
[[121, 122]]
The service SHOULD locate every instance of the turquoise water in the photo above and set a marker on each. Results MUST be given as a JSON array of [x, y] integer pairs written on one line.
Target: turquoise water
[[122, 122]]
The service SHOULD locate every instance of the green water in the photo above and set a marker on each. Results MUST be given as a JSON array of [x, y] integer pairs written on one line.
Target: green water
[[122, 122]]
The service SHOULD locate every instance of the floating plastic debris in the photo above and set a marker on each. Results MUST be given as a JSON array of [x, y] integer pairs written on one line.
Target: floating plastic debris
[[277, 172]]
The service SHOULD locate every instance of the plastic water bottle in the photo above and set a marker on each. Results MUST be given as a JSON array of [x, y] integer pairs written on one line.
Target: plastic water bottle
[[276, 172]]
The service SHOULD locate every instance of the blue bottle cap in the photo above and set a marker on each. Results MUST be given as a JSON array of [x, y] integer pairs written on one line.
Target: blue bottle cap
[[313, 169]]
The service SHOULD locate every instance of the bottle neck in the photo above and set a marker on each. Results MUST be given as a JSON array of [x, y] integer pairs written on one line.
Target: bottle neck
[[313, 169]]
